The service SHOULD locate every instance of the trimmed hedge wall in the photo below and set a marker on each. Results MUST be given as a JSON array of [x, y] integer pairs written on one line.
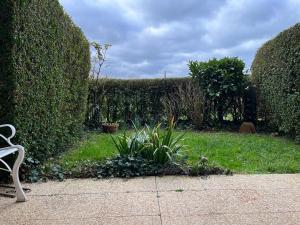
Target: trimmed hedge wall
[[150, 101], [129, 100], [276, 73], [44, 67]]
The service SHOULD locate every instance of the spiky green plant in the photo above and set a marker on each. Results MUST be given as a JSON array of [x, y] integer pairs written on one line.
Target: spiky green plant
[[130, 145], [163, 147], [152, 144]]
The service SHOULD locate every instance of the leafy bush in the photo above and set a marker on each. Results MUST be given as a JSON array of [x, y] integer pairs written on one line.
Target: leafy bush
[[223, 83], [44, 67], [152, 144], [276, 73]]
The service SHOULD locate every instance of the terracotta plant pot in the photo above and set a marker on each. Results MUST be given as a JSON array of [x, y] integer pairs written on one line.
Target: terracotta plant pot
[[247, 128], [110, 127]]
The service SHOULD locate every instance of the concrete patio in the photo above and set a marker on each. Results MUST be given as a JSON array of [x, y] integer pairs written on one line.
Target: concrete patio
[[170, 200]]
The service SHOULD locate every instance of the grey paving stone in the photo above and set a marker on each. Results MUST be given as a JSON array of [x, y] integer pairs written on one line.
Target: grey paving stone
[[169, 183], [271, 181], [186, 203], [287, 218], [195, 220], [256, 201], [132, 220], [238, 199], [80, 186], [46, 188], [83, 206]]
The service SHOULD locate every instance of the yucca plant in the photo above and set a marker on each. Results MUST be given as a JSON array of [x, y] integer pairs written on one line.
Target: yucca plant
[[131, 145], [163, 147], [152, 144]]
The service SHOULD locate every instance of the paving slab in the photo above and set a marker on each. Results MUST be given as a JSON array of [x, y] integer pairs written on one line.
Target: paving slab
[[83, 206], [43, 188], [186, 203], [255, 201], [46, 188], [170, 200], [207, 219], [236, 219], [278, 181], [80, 186], [285, 218], [271, 181], [173, 183], [132, 220]]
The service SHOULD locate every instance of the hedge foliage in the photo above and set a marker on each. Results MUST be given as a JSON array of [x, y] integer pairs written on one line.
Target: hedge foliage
[[150, 101], [44, 67], [125, 101], [276, 73]]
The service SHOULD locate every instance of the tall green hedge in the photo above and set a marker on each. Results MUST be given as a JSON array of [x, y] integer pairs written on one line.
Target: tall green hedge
[[44, 66], [276, 73], [129, 100]]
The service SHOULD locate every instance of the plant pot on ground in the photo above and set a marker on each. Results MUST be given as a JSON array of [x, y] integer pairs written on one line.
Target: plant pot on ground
[[110, 127]]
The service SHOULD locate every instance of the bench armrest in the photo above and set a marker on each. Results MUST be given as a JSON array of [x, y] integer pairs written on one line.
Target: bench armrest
[[13, 132]]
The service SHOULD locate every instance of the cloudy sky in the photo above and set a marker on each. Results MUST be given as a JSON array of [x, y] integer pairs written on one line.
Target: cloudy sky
[[150, 37]]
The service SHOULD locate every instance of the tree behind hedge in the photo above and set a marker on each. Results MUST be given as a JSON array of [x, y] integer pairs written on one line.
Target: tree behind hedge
[[223, 83], [44, 66], [276, 73]]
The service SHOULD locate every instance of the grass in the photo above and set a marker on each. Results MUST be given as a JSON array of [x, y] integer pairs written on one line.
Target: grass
[[237, 152], [96, 147], [245, 153]]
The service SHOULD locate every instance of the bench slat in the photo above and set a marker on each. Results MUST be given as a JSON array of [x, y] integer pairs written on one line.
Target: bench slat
[[7, 151]]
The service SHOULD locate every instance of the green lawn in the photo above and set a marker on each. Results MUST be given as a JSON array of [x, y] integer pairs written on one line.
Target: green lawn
[[240, 153]]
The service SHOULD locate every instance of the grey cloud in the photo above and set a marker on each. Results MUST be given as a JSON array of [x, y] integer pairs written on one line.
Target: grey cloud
[[104, 22], [150, 37], [158, 11]]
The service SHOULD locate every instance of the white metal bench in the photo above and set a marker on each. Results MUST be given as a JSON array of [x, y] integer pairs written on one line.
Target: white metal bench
[[15, 171]]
